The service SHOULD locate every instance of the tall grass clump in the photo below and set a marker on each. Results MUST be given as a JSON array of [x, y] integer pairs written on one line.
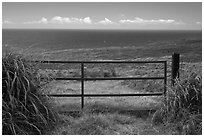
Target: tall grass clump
[[183, 105], [24, 109]]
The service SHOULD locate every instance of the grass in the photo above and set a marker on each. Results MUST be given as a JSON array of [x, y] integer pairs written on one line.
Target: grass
[[121, 116], [24, 110], [181, 115], [108, 123], [108, 119], [49, 71], [191, 51], [183, 106]]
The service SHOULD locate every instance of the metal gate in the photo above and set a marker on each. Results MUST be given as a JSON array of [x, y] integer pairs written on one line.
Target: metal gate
[[82, 79]]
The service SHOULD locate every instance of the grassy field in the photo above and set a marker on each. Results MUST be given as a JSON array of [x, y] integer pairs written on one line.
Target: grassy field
[[115, 115]]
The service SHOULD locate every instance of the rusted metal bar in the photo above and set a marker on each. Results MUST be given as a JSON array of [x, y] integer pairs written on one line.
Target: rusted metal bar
[[94, 62], [62, 95], [82, 85], [165, 77], [105, 95], [77, 78], [112, 78]]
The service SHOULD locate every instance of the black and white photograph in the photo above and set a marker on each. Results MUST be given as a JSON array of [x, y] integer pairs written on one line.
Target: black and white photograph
[[101, 68]]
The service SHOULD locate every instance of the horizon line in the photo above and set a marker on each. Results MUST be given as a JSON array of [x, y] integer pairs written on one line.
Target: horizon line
[[100, 29]]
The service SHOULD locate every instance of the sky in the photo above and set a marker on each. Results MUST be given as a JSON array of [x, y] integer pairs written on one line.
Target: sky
[[103, 15]]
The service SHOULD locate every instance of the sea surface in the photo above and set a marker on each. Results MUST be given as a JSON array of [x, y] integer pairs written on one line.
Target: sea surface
[[77, 39]]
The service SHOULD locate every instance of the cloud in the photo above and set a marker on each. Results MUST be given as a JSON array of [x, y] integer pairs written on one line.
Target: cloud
[[198, 23], [7, 22], [66, 20], [105, 21], [179, 23], [43, 20], [138, 20], [60, 20], [87, 20]]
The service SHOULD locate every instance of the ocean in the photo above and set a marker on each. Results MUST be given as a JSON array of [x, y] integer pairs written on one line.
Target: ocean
[[79, 39]]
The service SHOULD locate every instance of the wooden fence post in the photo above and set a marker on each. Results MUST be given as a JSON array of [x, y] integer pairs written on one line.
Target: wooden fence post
[[175, 67]]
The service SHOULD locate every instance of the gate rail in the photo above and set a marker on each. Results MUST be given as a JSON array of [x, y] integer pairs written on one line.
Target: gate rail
[[82, 79]]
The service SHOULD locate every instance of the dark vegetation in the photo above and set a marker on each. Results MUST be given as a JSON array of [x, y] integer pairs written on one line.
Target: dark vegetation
[[24, 109], [182, 106]]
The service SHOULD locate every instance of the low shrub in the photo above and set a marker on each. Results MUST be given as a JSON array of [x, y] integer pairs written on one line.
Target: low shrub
[[24, 109]]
